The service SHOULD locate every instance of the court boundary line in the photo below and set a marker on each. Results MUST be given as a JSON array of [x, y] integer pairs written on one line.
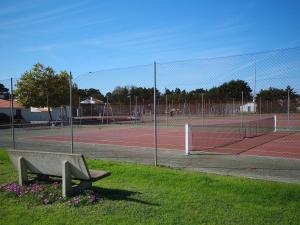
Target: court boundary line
[[265, 143]]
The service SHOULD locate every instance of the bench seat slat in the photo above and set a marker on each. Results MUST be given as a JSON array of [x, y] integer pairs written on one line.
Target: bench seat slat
[[97, 175]]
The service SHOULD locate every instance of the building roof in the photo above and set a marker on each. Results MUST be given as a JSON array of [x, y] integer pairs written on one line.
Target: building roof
[[91, 101], [5, 104], [35, 109]]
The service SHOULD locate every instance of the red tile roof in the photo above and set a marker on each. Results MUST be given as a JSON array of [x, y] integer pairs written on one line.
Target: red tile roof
[[6, 104]]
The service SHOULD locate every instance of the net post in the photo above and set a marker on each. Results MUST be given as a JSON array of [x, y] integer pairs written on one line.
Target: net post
[[275, 123], [187, 138]]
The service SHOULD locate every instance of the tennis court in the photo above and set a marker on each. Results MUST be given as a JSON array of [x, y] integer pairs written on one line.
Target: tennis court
[[217, 136]]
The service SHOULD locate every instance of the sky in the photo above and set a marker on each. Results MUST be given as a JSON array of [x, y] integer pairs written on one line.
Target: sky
[[88, 36]]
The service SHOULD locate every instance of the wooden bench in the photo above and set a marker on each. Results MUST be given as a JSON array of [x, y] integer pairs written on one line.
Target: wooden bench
[[44, 164]]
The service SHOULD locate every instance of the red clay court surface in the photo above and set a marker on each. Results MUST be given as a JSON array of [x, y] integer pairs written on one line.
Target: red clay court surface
[[279, 144]]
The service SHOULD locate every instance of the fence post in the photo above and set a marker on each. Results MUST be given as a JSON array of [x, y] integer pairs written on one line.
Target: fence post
[[242, 115], [254, 96], [135, 109], [260, 107], [233, 107], [12, 118], [71, 113], [275, 123], [107, 110], [288, 108], [242, 109], [167, 112], [202, 109], [130, 112], [154, 115]]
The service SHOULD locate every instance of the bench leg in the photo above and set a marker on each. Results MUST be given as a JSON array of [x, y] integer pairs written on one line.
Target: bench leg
[[43, 177], [22, 170], [84, 185], [66, 179]]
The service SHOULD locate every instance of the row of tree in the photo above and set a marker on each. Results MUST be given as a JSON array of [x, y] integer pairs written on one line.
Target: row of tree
[[42, 87], [224, 92]]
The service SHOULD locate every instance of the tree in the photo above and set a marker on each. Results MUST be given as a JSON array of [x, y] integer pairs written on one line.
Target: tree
[[42, 87], [91, 92], [122, 95], [4, 92], [226, 91], [196, 94], [230, 90], [272, 94], [176, 95], [119, 95], [278, 98]]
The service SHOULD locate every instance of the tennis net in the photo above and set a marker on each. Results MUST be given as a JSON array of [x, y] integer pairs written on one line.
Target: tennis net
[[210, 136]]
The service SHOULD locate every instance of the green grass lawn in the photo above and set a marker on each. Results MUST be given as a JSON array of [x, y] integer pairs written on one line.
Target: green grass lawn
[[137, 194]]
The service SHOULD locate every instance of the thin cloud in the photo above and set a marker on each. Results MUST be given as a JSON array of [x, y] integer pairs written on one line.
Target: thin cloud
[[136, 39], [68, 26], [43, 16], [122, 40], [225, 29], [16, 8], [43, 48]]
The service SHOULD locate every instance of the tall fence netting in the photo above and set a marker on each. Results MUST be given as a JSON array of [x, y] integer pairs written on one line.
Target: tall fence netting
[[42, 112], [227, 101], [113, 113], [231, 105]]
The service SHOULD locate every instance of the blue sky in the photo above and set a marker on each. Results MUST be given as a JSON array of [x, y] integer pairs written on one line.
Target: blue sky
[[83, 36]]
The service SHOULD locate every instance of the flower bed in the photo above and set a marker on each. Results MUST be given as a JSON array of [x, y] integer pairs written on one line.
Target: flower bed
[[49, 193]]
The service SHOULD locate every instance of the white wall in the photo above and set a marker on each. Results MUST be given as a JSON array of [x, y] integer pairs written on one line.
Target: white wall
[[36, 116]]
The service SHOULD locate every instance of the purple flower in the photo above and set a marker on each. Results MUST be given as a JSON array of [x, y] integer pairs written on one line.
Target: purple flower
[[56, 185], [36, 188], [77, 200], [46, 201], [91, 198], [15, 188], [48, 194]]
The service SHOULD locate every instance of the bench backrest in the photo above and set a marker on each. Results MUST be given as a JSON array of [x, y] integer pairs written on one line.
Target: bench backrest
[[50, 163]]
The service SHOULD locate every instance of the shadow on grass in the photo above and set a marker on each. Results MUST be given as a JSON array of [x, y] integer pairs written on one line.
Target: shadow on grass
[[118, 194], [101, 193]]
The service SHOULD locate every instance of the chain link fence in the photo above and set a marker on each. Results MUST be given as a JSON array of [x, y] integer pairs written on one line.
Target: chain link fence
[[227, 105], [113, 113], [41, 113]]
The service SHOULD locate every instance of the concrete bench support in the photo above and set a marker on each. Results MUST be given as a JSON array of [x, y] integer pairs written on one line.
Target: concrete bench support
[[22, 170], [66, 179]]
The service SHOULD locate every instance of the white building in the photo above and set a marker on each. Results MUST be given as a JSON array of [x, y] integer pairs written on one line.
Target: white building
[[249, 107]]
